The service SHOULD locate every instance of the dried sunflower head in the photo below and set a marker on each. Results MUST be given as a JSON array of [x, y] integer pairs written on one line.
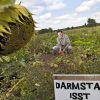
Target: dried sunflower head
[[16, 28]]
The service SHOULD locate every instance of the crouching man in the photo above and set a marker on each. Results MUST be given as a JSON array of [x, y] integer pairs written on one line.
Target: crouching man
[[63, 45]]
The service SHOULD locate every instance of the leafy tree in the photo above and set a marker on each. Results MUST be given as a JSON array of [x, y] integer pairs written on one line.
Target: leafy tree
[[42, 31], [85, 24], [91, 22], [68, 28], [50, 29]]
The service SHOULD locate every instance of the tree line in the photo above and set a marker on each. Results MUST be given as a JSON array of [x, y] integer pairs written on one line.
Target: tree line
[[90, 23]]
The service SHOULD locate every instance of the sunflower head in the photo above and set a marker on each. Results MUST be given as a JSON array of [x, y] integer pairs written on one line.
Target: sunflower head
[[16, 28]]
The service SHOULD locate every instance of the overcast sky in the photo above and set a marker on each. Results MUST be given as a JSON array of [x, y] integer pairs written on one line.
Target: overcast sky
[[62, 13]]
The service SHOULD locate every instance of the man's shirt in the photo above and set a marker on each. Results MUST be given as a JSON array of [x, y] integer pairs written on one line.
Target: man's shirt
[[64, 40]]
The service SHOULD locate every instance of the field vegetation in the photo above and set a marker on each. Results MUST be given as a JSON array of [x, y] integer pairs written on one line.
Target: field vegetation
[[28, 73]]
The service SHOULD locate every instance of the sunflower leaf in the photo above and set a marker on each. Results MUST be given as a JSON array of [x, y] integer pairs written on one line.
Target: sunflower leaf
[[2, 29], [23, 10]]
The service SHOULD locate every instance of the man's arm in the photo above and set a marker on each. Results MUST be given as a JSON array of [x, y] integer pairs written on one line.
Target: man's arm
[[67, 39]]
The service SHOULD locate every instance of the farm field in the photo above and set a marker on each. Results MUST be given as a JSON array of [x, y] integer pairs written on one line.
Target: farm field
[[28, 73]]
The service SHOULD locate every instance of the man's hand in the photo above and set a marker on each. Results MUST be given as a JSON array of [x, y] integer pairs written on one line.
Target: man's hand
[[61, 53]]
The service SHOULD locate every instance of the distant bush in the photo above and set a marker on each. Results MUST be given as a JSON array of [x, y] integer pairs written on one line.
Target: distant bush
[[42, 31]]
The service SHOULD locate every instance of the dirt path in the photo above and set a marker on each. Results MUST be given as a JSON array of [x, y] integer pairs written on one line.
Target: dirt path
[[48, 57]]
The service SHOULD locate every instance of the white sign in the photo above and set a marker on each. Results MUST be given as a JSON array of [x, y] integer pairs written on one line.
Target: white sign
[[77, 87]]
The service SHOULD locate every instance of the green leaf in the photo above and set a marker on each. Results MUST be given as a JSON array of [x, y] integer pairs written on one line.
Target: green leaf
[[2, 29], [23, 10], [3, 23], [1, 44], [1, 34], [15, 15], [5, 16]]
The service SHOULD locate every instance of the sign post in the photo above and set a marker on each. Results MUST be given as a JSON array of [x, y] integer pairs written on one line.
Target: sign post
[[76, 87]]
